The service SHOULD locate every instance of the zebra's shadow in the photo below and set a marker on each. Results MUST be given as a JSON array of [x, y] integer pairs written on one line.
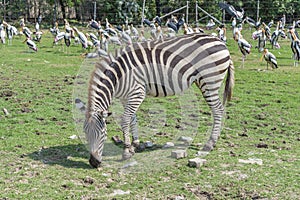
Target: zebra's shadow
[[77, 155], [69, 156]]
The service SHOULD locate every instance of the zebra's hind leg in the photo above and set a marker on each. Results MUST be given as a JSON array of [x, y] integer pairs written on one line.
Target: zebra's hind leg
[[217, 111], [211, 95]]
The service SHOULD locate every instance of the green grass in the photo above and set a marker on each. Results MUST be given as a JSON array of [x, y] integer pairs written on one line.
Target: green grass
[[39, 161]]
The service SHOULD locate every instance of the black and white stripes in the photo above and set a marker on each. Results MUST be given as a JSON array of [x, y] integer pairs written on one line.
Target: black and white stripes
[[158, 68]]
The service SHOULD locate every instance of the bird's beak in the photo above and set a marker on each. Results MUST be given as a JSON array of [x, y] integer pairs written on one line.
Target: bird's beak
[[261, 58]]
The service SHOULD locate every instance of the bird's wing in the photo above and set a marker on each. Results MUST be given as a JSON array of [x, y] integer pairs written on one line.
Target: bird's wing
[[147, 22], [172, 26], [250, 21], [228, 8]]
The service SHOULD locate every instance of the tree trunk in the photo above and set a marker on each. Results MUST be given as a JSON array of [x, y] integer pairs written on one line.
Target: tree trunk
[[77, 11], [157, 4], [63, 8]]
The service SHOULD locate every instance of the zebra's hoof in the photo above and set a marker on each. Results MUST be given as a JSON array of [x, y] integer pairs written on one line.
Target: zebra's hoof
[[94, 162], [127, 154], [207, 147], [136, 143]]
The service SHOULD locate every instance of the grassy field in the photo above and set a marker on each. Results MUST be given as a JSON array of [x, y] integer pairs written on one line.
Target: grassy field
[[39, 160]]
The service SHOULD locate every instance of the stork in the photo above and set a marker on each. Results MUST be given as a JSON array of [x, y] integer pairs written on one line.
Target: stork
[[210, 24], [125, 37], [222, 33], [94, 24], [26, 32], [31, 44], [267, 30], [2, 34], [244, 46], [261, 36], [275, 35], [141, 36], [82, 38], [253, 23], [269, 58], [295, 46], [171, 26], [10, 31], [239, 15], [135, 33]]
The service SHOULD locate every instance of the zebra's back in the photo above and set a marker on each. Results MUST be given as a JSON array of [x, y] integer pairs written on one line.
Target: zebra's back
[[170, 67]]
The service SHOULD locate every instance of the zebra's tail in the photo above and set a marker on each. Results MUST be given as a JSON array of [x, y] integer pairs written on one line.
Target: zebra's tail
[[229, 83]]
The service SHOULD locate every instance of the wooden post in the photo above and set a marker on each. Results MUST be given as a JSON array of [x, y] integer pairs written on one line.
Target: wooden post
[[187, 12], [197, 23], [95, 10], [143, 12]]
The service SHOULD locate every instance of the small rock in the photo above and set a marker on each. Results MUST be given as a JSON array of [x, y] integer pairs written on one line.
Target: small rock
[[119, 192], [202, 153], [72, 137], [251, 161], [148, 144], [186, 140], [179, 154], [5, 111], [179, 198], [168, 145], [196, 162]]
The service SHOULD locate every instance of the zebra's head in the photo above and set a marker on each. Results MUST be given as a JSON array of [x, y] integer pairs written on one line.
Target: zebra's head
[[95, 131]]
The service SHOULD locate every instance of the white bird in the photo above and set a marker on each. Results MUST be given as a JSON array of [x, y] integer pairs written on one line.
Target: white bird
[[125, 37], [26, 32], [295, 46], [38, 36], [239, 15], [135, 33], [187, 29], [37, 27], [244, 46], [2, 34], [210, 24], [142, 37], [82, 38], [270, 58], [222, 33], [261, 37], [59, 37], [31, 44]]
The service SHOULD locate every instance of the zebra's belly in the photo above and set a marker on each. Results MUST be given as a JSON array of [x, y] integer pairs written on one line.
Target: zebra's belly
[[160, 90]]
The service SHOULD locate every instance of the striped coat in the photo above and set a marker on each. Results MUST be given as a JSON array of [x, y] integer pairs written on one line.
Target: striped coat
[[156, 68]]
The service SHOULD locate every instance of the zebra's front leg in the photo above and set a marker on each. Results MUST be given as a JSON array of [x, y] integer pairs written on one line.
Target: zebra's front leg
[[128, 148], [129, 118], [134, 131]]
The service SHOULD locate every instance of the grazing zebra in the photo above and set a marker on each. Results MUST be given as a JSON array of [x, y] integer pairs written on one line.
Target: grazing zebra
[[156, 68]]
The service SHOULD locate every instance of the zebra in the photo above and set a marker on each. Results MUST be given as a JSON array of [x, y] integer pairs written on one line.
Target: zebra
[[159, 69]]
